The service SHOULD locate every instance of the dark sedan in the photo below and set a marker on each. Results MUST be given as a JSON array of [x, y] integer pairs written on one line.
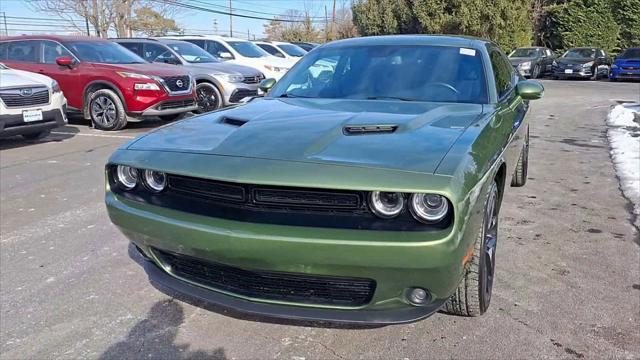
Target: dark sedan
[[585, 62], [532, 62]]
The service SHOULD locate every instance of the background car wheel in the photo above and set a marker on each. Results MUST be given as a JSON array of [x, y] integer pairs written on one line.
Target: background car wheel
[[37, 136], [535, 72], [595, 75], [106, 110], [473, 295], [208, 98], [171, 117], [520, 175]]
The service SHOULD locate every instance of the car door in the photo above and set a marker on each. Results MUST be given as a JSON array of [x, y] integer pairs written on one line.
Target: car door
[[71, 79], [510, 109]]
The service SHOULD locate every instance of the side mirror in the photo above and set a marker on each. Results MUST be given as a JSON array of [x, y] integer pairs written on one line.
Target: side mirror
[[66, 61], [266, 84], [530, 89], [225, 55]]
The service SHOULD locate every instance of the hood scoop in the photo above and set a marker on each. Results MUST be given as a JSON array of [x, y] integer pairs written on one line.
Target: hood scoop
[[369, 129], [232, 121]]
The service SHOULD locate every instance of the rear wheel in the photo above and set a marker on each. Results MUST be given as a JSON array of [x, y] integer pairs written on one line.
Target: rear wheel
[[106, 110], [520, 174], [473, 295], [208, 98], [37, 135]]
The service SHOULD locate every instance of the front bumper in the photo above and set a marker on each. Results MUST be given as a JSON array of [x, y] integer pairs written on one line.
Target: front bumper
[[13, 124], [619, 73], [576, 73], [395, 260], [170, 107], [232, 93]]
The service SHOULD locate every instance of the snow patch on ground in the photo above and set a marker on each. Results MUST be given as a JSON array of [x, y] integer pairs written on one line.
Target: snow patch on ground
[[624, 138]]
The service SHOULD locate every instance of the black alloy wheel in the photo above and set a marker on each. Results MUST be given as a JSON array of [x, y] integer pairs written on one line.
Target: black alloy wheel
[[208, 98]]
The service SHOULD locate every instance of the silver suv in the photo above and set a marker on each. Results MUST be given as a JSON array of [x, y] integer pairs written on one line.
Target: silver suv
[[219, 84]]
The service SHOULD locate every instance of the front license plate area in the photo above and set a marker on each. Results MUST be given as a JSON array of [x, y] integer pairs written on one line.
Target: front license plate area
[[568, 71], [32, 115]]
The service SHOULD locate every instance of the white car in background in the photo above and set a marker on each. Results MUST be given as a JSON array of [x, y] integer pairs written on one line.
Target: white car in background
[[282, 49], [241, 52], [30, 104]]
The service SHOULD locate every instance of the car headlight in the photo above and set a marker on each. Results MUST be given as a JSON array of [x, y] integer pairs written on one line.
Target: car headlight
[[126, 176], [155, 181], [428, 208], [386, 204], [126, 74], [55, 87], [146, 86], [230, 77], [614, 66], [589, 64], [525, 65], [554, 63]]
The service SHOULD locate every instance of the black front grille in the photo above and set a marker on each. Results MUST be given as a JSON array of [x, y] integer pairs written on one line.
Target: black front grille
[[177, 83], [630, 68], [176, 104], [241, 94], [253, 79], [290, 287], [28, 96]]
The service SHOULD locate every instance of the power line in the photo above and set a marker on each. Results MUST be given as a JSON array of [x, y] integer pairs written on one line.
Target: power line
[[235, 10], [199, 8]]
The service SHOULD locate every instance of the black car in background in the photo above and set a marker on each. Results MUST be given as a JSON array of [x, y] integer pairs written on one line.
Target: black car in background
[[582, 62], [305, 45], [532, 62]]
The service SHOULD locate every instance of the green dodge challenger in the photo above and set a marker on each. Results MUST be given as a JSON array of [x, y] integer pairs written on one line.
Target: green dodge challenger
[[365, 187]]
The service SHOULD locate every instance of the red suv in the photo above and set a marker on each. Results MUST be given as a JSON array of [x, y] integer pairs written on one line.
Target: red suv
[[101, 79]]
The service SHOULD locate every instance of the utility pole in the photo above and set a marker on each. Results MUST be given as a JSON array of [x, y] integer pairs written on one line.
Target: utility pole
[[86, 24], [248, 35], [230, 20], [6, 30], [215, 26], [326, 25]]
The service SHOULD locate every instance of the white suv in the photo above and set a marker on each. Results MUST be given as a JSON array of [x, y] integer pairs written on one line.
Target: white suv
[[30, 104], [241, 52], [282, 49]]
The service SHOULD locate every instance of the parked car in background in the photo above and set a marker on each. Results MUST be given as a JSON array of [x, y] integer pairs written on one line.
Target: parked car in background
[[30, 104], [371, 195], [240, 52], [583, 62], [308, 46], [218, 84], [101, 79], [532, 62], [626, 65], [281, 49]]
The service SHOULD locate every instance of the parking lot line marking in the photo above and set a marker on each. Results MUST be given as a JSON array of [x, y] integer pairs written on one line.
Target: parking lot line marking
[[96, 135]]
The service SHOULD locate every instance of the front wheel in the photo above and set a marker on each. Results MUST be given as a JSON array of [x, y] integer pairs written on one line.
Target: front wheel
[[106, 110], [535, 72], [208, 98], [473, 295], [520, 175]]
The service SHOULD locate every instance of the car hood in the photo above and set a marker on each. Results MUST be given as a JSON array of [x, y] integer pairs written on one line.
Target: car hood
[[520, 60], [222, 68], [627, 62], [145, 68], [316, 131], [18, 78], [573, 60]]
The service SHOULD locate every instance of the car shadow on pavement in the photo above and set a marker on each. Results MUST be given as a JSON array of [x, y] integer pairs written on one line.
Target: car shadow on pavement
[[58, 134], [135, 256], [155, 337]]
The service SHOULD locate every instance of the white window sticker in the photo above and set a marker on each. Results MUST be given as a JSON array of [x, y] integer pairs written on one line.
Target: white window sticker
[[465, 51]]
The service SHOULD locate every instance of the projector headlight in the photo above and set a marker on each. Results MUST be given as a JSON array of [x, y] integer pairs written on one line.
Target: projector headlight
[[155, 181], [126, 176], [429, 208], [386, 204]]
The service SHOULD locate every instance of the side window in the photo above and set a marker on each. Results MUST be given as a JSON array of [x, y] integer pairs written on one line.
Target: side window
[[600, 53], [319, 76], [158, 53], [502, 72], [4, 50], [271, 50], [215, 48], [52, 50], [26, 51], [549, 53], [136, 48]]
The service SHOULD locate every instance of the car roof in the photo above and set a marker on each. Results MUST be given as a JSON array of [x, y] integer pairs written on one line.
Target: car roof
[[60, 38], [203, 37], [441, 40]]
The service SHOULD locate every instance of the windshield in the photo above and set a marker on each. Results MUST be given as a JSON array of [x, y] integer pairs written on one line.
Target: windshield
[[580, 53], [524, 53], [292, 50], [633, 53], [247, 49], [192, 53], [104, 52], [388, 72]]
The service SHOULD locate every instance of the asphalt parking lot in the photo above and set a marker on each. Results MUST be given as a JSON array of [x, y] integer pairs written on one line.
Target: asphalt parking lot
[[568, 263]]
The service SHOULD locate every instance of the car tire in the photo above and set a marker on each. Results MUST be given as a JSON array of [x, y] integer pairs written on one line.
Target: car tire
[[208, 98], [106, 110], [520, 174], [37, 135], [595, 75], [473, 295], [535, 72], [172, 117]]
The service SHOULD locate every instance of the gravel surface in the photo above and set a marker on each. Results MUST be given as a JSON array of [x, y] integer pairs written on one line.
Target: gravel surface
[[568, 262]]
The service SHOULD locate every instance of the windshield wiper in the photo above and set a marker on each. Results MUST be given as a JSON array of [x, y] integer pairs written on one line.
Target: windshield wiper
[[389, 98], [290, 95]]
